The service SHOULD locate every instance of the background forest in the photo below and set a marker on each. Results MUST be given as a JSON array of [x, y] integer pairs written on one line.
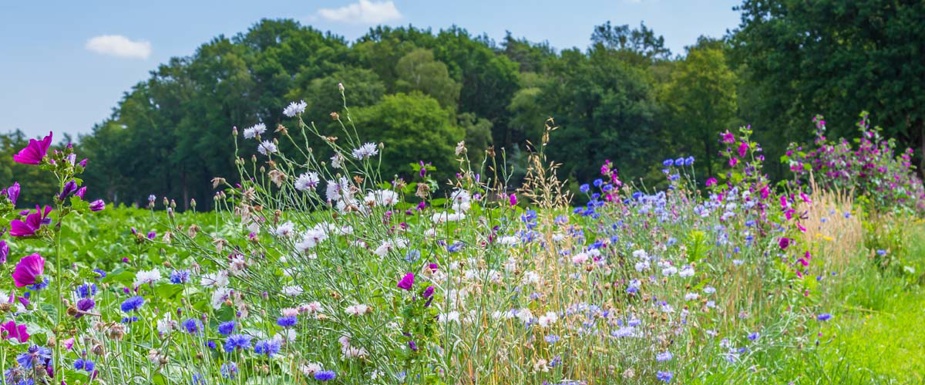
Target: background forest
[[625, 98]]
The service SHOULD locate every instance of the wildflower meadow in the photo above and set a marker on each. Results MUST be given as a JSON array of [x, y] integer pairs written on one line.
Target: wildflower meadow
[[317, 267]]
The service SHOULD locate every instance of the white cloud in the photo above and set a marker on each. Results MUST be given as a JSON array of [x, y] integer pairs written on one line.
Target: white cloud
[[119, 46], [363, 12]]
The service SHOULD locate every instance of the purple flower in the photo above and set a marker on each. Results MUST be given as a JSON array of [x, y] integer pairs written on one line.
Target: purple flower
[[81, 192], [32, 224], [784, 243], [428, 292], [12, 192], [69, 188], [11, 330], [664, 376], [413, 346], [192, 326], [34, 152], [824, 317], [85, 305], [97, 205], [29, 270], [4, 251], [406, 282]]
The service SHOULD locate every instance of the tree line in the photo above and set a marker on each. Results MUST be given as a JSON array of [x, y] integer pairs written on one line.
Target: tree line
[[626, 98]]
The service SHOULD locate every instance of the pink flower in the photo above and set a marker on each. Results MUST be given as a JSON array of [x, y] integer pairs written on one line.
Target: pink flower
[[742, 149], [728, 137], [32, 224], [34, 152], [29, 270], [11, 330], [711, 181], [406, 282], [97, 205], [733, 162], [513, 199], [4, 251], [784, 243]]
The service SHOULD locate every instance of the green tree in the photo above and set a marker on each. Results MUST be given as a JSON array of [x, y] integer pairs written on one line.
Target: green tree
[[418, 71], [412, 127], [701, 97], [836, 58]]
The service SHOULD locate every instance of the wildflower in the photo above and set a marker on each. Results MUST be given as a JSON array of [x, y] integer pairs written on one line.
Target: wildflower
[[307, 181], [325, 375], [824, 317], [365, 151], [12, 193], [147, 277], [784, 243], [287, 322], [269, 347], [664, 376], [237, 341], [29, 270], [86, 290], [254, 130], [219, 279], [226, 328], [82, 364], [229, 370], [192, 326], [33, 222], [34, 152], [728, 137], [10, 330], [266, 147], [219, 296], [4, 251], [97, 205], [668, 163], [753, 336], [357, 310], [513, 199], [295, 108], [179, 277], [292, 291], [664, 356], [132, 304], [35, 356], [743, 148]]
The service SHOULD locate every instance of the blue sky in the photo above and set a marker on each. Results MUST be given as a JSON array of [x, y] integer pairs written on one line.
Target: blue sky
[[65, 64]]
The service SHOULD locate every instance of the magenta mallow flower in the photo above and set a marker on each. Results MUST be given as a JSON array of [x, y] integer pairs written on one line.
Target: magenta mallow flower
[[4, 251], [784, 243], [743, 148], [10, 330], [29, 270], [98, 205], [32, 223], [34, 152], [513, 199], [12, 192], [69, 188], [406, 282]]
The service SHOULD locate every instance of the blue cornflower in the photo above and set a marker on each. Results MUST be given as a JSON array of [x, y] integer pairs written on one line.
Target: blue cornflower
[[237, 341], [35, 355], [753, 336], [100, 274], [192, 325], [82, 364], [528, 216], [325, 375], [552, 338], [679, 162], [229, 370], [456, 246], [133, 303], [664, 376], [210, 344], [668, 163], [226, 328], [179, 277], [38, 285], [689, 161], [824, 317], [598, 182], [584, 188], [412, 256], [198, 379], [86, 290], [269, 347], [128, 320], [664, 356], [287, 322]]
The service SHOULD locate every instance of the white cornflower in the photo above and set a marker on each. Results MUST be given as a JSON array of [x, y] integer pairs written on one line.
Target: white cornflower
[[219, 279], [381, 198], [337, 161], [254, 130], [285, 229], [365, 151], [691, 296], [166, 325], [219, 296], [686, 271], [307, 181], [580, 258], [508, 240], [337, 190], [149, 276], [266, 147], [461, 200], [295, 108], [310, 368], [292, 291], [452, 316], [548, 319], [357, 310]]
